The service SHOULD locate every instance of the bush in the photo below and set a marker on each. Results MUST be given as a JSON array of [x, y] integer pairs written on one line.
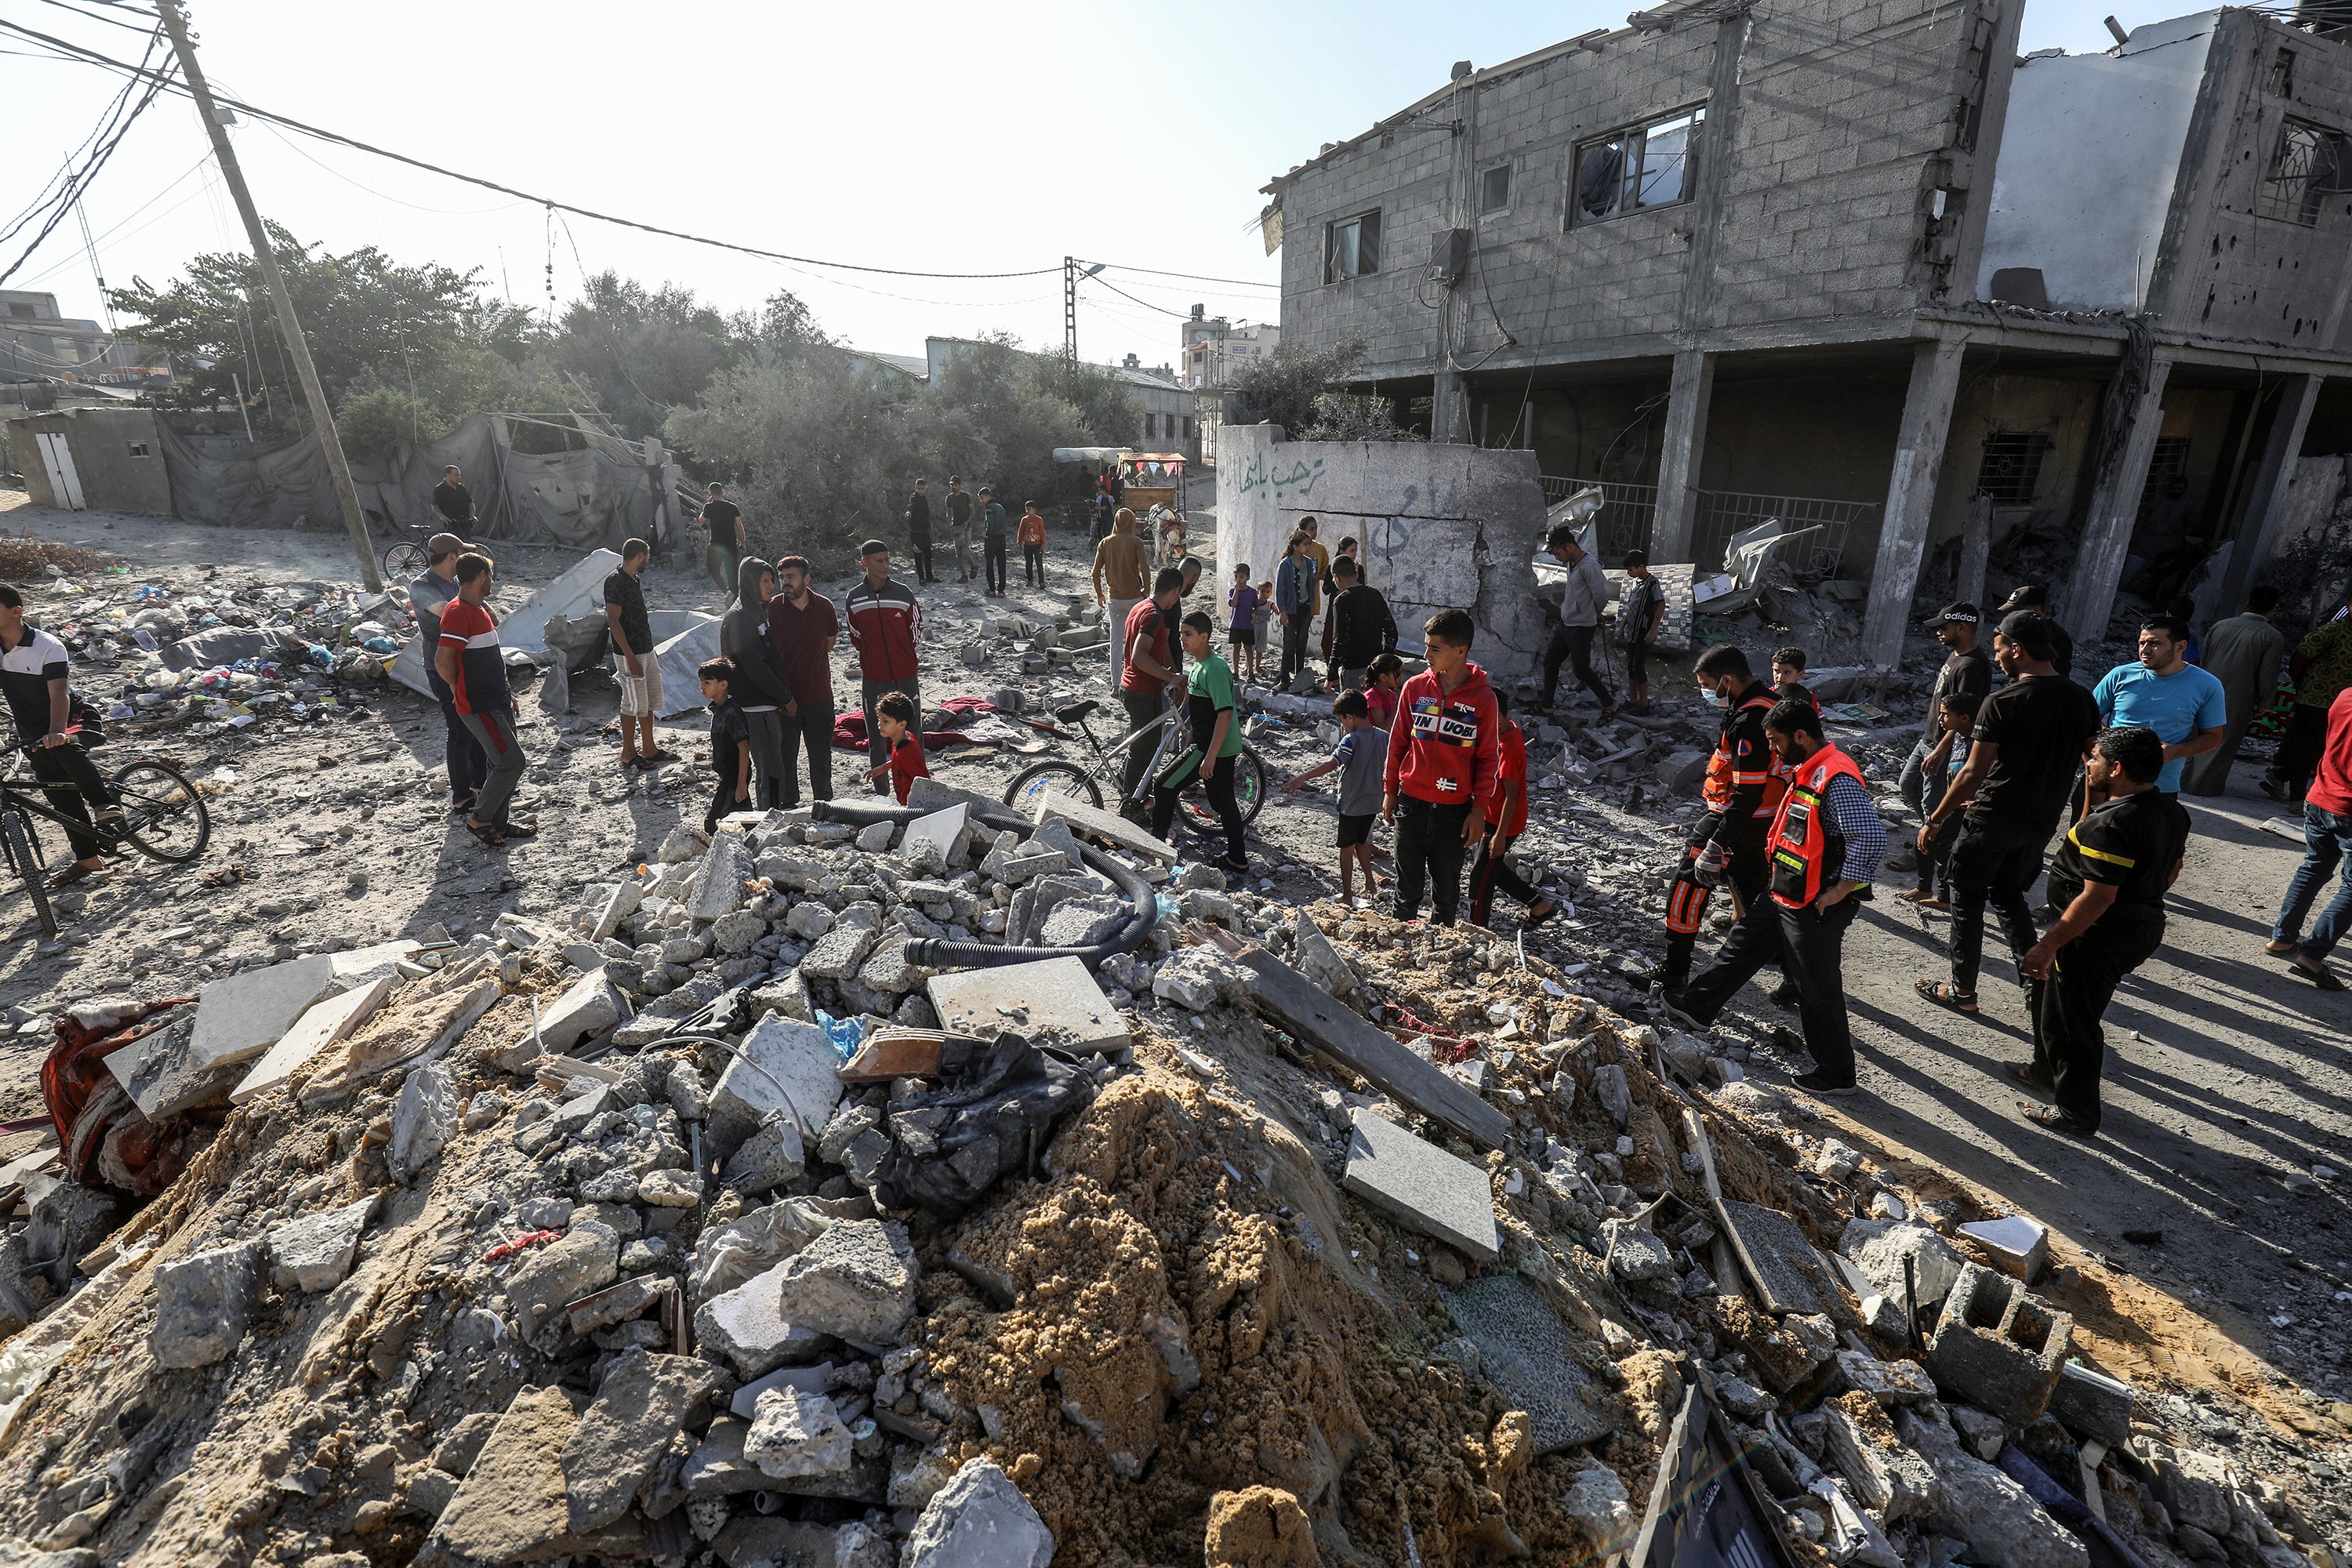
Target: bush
[[377, 423]]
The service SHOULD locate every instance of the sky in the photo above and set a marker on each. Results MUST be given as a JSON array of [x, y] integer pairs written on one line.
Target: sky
[[920, 136]]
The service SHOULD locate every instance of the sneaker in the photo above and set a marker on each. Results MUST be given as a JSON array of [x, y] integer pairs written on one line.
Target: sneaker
[[1822, 1083]]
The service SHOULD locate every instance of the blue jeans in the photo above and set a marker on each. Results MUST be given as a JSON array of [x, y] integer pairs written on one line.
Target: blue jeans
[[2327, 845]]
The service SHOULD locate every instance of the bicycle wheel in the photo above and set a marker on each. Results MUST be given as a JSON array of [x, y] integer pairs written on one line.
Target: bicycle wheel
[[1030, 784], [27, 868], [163, 817], [1249, 793], [402, 562]]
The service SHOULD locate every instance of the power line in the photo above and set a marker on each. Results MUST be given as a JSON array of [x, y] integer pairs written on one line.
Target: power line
[[1194, 277], [68, 198], [1146, 304]]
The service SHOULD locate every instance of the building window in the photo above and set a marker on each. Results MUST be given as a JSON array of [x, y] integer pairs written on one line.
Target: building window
[[2167, 466], [2282, 74], [2310, 165], [1495, 190], [2012, 465], [1352, 247], [137, 448], [1646, 166]]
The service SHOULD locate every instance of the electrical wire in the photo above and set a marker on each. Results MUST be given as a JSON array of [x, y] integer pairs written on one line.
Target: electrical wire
[[97, 160], [1194, 277], [1146, 304]]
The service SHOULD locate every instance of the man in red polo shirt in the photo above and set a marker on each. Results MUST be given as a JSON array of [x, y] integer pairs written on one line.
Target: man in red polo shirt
[[884, 619], [802, 629], [469, 661], [1147, 670]]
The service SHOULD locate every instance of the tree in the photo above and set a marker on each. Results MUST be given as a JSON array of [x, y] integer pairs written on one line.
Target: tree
[[643, 352], [1306, 391], [1023, 405]]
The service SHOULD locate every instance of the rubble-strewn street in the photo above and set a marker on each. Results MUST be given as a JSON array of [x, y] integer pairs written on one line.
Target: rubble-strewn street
[[632, 1196]]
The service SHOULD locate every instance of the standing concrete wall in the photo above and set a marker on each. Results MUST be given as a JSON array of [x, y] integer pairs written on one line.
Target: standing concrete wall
[[117, 456], [1443, 526]]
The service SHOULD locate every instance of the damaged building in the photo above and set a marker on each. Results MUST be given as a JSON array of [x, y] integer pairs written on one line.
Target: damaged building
[[1864, 269]]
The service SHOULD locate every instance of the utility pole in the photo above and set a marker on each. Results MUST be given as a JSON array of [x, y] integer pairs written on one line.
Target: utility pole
[[288, 327], [1070, 309]]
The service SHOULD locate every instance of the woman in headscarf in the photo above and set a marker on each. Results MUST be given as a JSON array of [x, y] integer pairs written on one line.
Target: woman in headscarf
[[760, 687]]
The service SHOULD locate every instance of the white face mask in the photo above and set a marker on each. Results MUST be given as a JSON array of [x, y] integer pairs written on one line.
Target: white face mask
[[1718, 699]]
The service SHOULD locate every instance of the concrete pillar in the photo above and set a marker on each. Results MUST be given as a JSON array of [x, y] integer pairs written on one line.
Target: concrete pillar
[[1449, 406], [2114, 509], [2258, 532], [1687, 397], [1911, 497], [1976, 545]]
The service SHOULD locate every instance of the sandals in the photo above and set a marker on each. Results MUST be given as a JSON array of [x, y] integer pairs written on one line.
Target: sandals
[[69, 876], [2280, 949], [1537, 912], [1945, 994], [464, 807], [2320, 977], [2023, 1072], [655, 759], [491, 837], [1924, 899], [519, 829], [2050, 1119]]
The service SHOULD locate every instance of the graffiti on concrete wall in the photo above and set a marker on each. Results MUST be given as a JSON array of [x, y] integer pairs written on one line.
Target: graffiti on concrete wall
[[1292, 481], [1423, 561]]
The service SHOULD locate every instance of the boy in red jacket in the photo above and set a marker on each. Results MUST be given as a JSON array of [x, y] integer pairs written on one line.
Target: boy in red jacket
[[1444, 753]]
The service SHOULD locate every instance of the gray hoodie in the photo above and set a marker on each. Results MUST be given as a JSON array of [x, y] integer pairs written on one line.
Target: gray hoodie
[[743, 638]]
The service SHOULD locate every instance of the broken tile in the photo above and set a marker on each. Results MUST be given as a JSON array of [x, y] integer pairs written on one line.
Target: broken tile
[[323, 1025], [1052, 1001], [1525, 1351], [1421, 1185], [239, 1017]]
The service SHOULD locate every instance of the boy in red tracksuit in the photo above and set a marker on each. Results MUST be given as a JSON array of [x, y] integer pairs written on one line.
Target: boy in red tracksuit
[[1445, 755]]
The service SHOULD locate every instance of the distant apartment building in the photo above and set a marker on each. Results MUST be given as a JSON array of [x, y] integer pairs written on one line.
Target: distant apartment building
[[37, 344], [1855, 262], [1214, 351]]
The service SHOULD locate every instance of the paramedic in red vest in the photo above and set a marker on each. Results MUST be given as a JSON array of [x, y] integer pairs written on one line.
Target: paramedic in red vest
[[1825, 845], [885, 620], [1740, 792]]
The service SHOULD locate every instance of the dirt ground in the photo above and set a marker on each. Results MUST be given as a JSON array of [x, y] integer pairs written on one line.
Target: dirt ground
[[2228, 1103]]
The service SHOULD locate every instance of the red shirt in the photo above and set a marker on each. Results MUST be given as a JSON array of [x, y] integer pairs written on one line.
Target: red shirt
[[1384, 704], [1511, 766], [907, 765], [883, 623], [1145, 616], [2331, 790], [803, 643], [1446, 746], [481, 685]]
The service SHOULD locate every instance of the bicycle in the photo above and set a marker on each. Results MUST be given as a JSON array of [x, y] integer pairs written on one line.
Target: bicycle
[[164, 819], [1029, 785]]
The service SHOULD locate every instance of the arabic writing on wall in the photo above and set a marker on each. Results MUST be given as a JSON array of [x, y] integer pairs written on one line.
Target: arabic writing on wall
[[1296, 480]]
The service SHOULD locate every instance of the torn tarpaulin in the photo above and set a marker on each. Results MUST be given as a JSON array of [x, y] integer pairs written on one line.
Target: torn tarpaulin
[[104, 1139], [995, 1115]]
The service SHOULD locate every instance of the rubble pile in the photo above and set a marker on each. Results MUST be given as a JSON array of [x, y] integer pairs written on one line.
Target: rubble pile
[[708, 1220]]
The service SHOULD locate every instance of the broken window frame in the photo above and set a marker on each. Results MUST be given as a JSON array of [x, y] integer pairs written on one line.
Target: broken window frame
[[1488, 207], [2010, 470], [2309, 163], [1357, 238], [1634, 169]]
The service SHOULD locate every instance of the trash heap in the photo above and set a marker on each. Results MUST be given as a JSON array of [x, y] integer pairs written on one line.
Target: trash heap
[[743, 1214]]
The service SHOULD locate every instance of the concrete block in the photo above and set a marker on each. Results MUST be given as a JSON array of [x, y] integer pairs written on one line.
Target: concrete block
[[361, 967], [839, 953], [1422, 1186], [1525, 1353], [2093, 1405], [930, 841], [767, 1159], [202, 1304], [1998, 1347], [423, 1118], [718, 885], [1890, 1383], [1083, 922], [618, 907], [643, 1403], [589, 1007], [1887, 1475], [2194, 1487], [1877, 1248], [747, 1326], [1998, 1519], [239, 1017], [979, 1519], [161, 1076], [814, 1379], [547, 1278], [856, 1281], [315, 1252], [796, 1434], [1110, 826], [512, 1505], [2018, 1244], [1054, 1001], [324, 1023], [783, 1065]]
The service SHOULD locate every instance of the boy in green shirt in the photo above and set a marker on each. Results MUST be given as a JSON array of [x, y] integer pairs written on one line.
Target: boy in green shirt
[[1216, 729]]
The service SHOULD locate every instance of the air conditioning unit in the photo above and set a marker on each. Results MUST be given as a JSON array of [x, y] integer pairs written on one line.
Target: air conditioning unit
[[1449, 255]]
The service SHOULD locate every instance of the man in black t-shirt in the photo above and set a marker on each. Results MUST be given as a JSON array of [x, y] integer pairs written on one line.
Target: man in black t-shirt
[[919, 529], [2109, 878], [2035, 598], [725, 520], [2029, 736], [453, 503], [1965, 667]]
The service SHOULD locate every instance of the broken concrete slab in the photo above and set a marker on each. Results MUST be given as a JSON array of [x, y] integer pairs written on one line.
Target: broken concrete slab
[[644, 1400], [1525, 1352], [1878, 1248], [202, 1304], [856, 1281], [1092, 822], [783, 1065], [423, 1118], [161, 1076], [1996, 1516], [839, 953], [546, 1279], [1887, 1475], [619, 906], [796, 1434], [590, 1006], [814, 1379], [1998, 1347], [1083, 922], [1890, 1383], [1320, 960], [2018, 1244], [1421, 1185], [1054, 1001], [325, 1023], [239, 1017], [1787, 1271], [718, 885], [511, 1506], [747, 1325], [930, 841], [2093, 1405], [979, 1519], [1634, 1254], [767, 1159], [315, 1252], [361, 967]]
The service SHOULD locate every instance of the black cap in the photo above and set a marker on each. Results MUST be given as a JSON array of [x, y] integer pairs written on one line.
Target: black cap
[[2024, 593], [872, 547], [2029, 631], [1962, 613]]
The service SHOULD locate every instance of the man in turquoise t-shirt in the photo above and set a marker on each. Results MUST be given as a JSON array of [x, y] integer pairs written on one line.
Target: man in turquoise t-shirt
[[1213, 758], [2187, 707]]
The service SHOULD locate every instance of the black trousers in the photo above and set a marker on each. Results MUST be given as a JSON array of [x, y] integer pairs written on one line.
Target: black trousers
[[1168, 788], [921, 543], [2070, 1041], [1293, 644], [1746, 871], [1572, 645], [1032, 565], [722, 801], [461, 754], [1491, 868], [1810, 946], [813, 725], [73, 783], [1429, 850], [2299, 749], [1992, 862], [992, 550]]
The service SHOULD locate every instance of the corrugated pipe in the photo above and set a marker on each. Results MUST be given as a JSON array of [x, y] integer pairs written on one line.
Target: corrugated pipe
[[940, 952]]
